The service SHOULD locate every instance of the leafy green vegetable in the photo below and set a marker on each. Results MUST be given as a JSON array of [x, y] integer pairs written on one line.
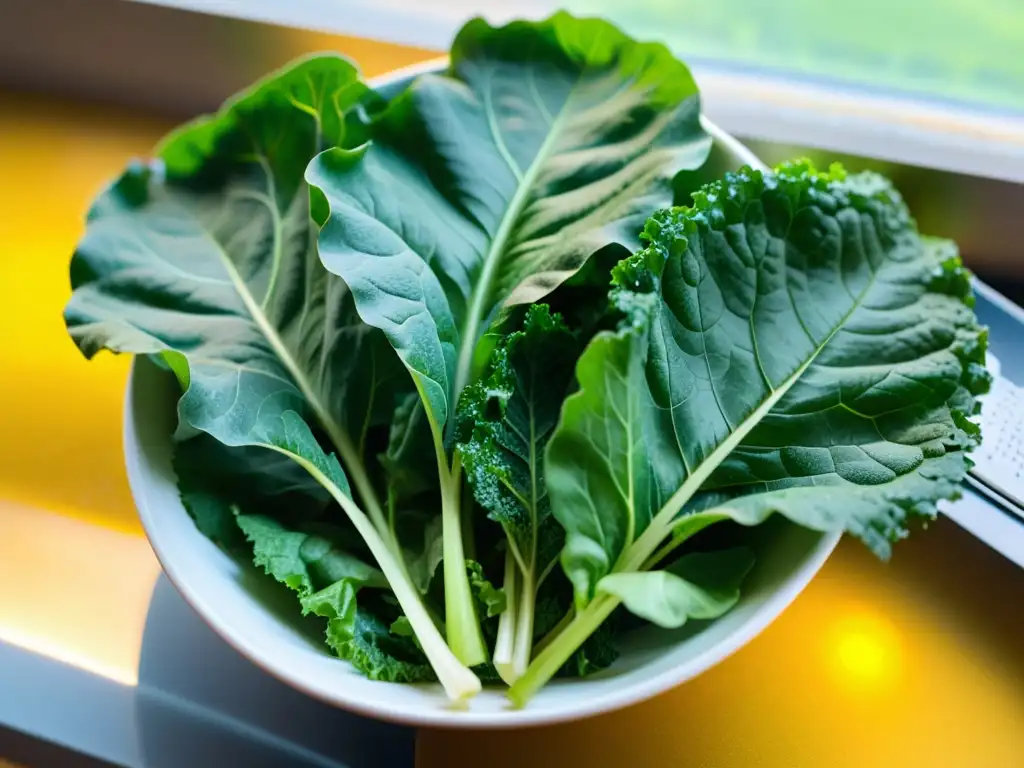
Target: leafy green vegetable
[[328, 579], [700, 585], [304, 561], [490, 185], [491, 599], [422, 561], [409, 444], [362, 638], [402, 628], [597, 652], [749, 362], [217, 482], [208, 259], [493, 183], [507, 418]]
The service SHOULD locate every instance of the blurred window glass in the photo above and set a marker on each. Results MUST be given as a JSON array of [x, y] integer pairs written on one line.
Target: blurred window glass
[[962, 50]]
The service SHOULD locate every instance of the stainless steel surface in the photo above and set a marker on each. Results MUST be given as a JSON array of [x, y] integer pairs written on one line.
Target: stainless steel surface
[[982, 514]]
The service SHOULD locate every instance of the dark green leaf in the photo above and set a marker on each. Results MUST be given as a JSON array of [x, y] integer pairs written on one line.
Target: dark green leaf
[[409, 461], [217, 482], [508, 417], [207, 258], [789, 337], [493, 183], [303, 561], [597, 652], [413, 498], [420, 536]]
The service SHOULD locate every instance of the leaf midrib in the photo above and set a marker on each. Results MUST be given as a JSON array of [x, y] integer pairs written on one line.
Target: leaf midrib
[[642, 548], [478, 301], [275, 341], [334, 430]]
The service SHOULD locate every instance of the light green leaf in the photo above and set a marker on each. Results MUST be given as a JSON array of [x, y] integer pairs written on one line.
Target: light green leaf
[[493, 183], [362, 638], [491, 599], [701, 585], [402, 627], [597, 466], [304, 561], [788, 336]]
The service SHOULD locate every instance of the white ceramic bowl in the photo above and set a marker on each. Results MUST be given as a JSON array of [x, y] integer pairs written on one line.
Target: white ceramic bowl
[[239, 610]]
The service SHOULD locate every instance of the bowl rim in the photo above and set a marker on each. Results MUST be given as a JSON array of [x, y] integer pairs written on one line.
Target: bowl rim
[[782, 596]]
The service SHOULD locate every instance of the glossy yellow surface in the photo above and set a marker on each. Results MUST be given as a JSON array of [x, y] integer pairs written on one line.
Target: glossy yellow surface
[[916, 664], [60, 428], [73, 591]]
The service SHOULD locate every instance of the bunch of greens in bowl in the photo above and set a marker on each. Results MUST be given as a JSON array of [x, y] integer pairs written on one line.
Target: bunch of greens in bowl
[[469, 367]]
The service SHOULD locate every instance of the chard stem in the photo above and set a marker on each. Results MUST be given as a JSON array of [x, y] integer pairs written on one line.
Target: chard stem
[[463, 627], [353, 464], [555, 631], [504, 646], [524, 628], [661, 554], [458, 680], [644, 554], [555, 649], [550, 660]]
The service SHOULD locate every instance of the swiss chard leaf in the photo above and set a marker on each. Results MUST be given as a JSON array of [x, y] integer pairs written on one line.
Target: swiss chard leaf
[[493, 183], [700, 585], [603, 494], [789, 335]]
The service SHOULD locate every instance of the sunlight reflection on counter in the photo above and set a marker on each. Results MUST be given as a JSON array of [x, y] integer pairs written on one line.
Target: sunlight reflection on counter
[[74, 592]]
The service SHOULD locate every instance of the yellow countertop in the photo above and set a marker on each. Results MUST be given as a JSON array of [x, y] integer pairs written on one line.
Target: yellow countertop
[[915, 663]]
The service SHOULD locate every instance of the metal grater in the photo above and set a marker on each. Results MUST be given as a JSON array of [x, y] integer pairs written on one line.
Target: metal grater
[[999, 460]]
